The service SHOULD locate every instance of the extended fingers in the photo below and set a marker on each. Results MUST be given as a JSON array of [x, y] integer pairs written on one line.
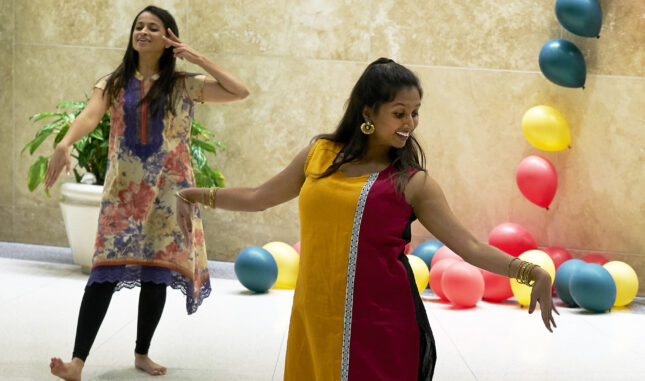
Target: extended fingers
[[172, 35]]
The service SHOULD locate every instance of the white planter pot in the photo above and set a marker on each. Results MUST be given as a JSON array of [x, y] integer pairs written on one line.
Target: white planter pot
[[80, 206]]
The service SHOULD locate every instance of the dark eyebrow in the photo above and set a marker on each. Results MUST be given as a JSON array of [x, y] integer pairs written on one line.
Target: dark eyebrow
[[401, 104]]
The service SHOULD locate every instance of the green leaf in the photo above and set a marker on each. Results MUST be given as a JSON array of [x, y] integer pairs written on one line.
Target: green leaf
[[80, 145], [36, 174], [61, 134], [198, 156], [37, 142], [204, 146], [203, 181], [97, 134], [72, 105], [41, 116]]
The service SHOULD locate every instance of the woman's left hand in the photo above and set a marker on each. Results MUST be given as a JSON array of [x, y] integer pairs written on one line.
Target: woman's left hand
[[180, 49], [185, 212], [541, 292]]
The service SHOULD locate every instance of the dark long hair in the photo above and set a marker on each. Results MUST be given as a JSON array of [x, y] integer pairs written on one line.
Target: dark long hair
[[161, 96], [379, 84]]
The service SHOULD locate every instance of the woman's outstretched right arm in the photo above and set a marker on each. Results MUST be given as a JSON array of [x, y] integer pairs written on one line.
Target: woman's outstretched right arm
[[86, 121], [279, 189]]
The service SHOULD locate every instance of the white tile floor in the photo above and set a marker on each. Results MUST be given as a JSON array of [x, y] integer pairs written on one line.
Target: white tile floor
[[240, 336]]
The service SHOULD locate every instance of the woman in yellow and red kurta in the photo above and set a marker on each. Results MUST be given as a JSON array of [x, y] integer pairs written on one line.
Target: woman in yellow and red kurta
[[138, 242], [356, 310]]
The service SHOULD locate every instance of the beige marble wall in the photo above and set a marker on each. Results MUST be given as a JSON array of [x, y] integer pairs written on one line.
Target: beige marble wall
[[477, 61]]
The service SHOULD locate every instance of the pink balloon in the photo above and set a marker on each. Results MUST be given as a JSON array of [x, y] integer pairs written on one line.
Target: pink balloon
[[537, 179], [436, 273], [442, 253], [463, 284], [558, 254], [496, 287], [595, 258], [296, 246], [511, 238]]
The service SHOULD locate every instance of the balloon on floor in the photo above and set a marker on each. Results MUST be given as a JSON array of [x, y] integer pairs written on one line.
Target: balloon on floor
[[511, 238], [593, 288], [598, 259], [581, 17], [522, 292], [545, 128], [537, 179], [436, 274], [287, 260], [496, 287], [420, 272], [256, 269], [558, 255], [442, 253], [563, 280], [562, 63], [427, 250], [626, 282], [463, 284]]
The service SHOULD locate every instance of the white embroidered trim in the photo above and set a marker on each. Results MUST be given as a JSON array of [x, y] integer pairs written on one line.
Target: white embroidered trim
[[351, 273]]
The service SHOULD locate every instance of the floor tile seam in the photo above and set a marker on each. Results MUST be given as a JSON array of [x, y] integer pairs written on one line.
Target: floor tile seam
[[277, 361], [453, 344]]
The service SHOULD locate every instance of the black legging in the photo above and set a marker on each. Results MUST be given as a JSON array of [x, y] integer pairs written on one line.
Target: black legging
[[96, 301]]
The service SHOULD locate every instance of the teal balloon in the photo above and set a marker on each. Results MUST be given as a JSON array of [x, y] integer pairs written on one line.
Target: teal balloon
[[593, 288], [562, 63], [581, 17], [563, 278], [256, 269], [426, 251]]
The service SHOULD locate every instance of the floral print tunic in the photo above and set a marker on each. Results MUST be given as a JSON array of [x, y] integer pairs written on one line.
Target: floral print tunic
[[138, 239]]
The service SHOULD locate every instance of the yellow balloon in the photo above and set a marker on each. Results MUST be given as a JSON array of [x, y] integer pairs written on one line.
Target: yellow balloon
[[420, 271], [522, 292], [545, 128], [287, 259], [626, 282]]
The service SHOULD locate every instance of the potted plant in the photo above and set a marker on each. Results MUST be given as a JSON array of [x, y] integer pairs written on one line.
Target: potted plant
[[81, 200]]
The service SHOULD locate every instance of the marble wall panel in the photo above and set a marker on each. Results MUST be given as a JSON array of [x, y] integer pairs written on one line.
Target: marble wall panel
[[334, 29], [41, 225], [6, 124], [6, 223], [46, 76], [7, 24], [477, 34], [84, 23]]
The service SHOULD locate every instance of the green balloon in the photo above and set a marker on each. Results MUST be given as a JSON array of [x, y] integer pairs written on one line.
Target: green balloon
[[581, 17], [563, 64]]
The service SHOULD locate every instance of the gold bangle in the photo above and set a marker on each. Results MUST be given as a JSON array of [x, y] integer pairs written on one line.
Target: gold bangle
[[212, 197], [508, 269], [184, 199]]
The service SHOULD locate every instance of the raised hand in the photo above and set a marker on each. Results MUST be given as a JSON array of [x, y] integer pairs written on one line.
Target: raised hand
[[180, 49], [59, 160], [541, 293]]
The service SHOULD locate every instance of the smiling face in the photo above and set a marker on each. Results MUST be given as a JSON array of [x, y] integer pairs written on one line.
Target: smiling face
[[394, 121], [147, 34]]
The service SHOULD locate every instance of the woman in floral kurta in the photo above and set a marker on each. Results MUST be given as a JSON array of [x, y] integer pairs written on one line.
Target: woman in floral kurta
[[138, 240]]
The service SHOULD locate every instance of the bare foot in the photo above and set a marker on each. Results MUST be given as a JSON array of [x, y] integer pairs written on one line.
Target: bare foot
[[144, 363], [68, 371]]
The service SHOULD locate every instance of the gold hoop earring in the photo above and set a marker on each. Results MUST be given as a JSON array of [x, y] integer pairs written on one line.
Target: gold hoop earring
[[367, 128]]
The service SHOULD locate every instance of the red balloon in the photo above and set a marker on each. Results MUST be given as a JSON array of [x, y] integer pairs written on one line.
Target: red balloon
[[537, 179], [436, 273], [442, 253], [558, 254], [407, 249], [595, 258], [496, 287], [512, 239], [463, 284], [296, 246]]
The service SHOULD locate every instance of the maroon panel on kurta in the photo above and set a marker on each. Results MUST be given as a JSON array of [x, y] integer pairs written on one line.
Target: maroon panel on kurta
[[384, 341]]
